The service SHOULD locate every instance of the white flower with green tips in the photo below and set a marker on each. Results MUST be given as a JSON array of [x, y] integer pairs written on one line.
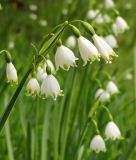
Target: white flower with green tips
[[32, 88], [97, 144], [112, 131], [65, 58], [104, 49], [11, 73], [87, 50], [50, 87]]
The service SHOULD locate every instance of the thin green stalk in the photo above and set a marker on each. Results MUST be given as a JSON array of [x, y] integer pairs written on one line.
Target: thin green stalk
[[8, 139], [45, 132], [67, 127]]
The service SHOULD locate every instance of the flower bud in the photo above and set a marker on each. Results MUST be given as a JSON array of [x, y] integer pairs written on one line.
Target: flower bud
[[112, 88]]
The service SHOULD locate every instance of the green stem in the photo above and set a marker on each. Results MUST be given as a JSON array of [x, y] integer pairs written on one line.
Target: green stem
[[9, 107]]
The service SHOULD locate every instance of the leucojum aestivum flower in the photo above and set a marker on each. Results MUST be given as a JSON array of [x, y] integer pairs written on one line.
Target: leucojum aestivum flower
[[42, 74]]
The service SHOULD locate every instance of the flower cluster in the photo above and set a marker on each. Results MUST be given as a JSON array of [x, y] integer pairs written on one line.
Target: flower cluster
[[111, 132]]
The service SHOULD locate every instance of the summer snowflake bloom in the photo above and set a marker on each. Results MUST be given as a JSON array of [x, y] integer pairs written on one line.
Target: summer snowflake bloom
[[122, 25], [97, 144], [71, 42], [104, 49], [109, 4], [50, 87], [99, 19], [32, 87], [41, 74], [87, 50], [91, 14], [105, 96], [64, 58], [112, 131], [112, 88], [98, 93], [111, 40], [11, 73]]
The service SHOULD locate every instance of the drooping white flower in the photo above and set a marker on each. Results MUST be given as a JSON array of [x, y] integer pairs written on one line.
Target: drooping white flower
[[65, 11], [98, 93], [97, 144], [87, 50], [99, 19], [91, 14], [50, 87], [104, 49], [33, 7], [109, 4], [122, 25], [112, 88], [33, 16], [41, 74], [71, 42], [32, 87], [64, 58], [102, 95], [50, 64], [112, 131], [106, 18], [43, 22], [111, 40], [105, 96], [11, 73]]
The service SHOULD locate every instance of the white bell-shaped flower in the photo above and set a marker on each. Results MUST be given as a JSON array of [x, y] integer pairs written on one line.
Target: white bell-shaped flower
[[11, 73], [32, 87], [121, 24], [105, 96], [112, 131], [112, 88], [91, 14], [99, 19], [71, 42], [41, 74], [87, 50], [97, 144], [50, 87], [65, 58], [104, 49], [111, 40], [50, 64], [107, 18], [109, 4], [98, 93]]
